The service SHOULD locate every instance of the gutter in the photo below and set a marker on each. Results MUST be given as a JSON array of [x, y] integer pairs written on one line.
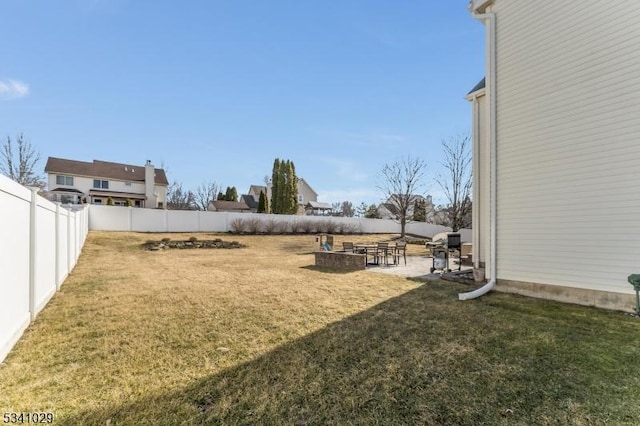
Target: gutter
[[490, 19]]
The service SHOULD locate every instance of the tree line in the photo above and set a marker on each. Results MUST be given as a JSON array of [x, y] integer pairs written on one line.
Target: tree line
[[401, 184]]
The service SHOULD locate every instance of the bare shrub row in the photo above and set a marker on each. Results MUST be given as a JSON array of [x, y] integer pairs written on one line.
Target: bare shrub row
[[272, 226]]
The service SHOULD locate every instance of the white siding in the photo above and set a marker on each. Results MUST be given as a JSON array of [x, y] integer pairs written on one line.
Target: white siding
[[481, 181], [568, 142]]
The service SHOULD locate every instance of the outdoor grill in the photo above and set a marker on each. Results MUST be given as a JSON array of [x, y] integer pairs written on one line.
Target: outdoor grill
[[454, 243]]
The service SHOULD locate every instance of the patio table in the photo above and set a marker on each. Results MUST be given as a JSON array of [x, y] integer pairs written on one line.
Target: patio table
[[373, 249]]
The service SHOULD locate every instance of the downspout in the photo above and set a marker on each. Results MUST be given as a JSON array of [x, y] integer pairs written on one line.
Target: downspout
[[490, 18]]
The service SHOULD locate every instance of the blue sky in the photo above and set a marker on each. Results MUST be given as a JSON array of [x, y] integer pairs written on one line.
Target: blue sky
[[216, 90]]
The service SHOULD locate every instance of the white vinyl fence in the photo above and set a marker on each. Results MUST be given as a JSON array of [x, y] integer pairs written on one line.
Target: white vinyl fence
[[41, 242], [115, 218]]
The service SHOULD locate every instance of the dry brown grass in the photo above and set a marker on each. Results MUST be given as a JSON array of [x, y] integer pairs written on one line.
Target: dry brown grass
[[259, 336], [130, 323]]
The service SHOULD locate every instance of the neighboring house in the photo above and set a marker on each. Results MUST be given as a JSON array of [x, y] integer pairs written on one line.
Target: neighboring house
[[315, 208], [556, 151], [251, 202], [305, 194], [72, 181], [229, 206], [254, 191]]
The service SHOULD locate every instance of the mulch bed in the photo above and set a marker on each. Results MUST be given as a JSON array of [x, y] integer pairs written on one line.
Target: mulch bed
[[191, 243]]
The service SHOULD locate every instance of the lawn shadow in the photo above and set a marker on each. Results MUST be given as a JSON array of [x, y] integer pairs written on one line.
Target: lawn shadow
[[419, 358], [327, 270]]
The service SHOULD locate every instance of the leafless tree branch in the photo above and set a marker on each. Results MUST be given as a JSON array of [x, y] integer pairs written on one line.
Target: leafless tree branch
[[457, 181], [401, 184]]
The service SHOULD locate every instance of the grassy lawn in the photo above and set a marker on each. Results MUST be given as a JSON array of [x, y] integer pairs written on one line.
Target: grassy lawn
[[259, 336]]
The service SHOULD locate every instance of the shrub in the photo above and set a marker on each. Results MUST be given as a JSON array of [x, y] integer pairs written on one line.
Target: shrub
[[237, 226], [193, 239], [295, 227], [284, 227], [306, 226], [253, 225], [270, 226]]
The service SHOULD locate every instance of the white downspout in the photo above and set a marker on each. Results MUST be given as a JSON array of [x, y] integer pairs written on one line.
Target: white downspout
[[490, 18]]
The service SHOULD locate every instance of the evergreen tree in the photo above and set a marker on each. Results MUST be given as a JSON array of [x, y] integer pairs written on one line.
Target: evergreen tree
[[291, 194], [263, 204], [372, 212], [231, 194], [420, 210], [284, 187], [275, 187], [220, 196]]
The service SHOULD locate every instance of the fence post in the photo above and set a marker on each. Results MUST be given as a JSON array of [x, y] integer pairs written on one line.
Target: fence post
[[33, 239], [68, 242], [57, 246]]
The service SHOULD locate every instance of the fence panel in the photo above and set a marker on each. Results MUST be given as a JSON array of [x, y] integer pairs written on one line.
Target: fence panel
[[45, 258], [63, 258], [41, 244], [15, 202], [116, 218]]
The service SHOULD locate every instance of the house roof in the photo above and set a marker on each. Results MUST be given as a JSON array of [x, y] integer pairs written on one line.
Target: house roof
[[222, 205], [112, 194], [76, 191], [255, 189], [102, 169], [478, 86], [318, 205], [249, 201]]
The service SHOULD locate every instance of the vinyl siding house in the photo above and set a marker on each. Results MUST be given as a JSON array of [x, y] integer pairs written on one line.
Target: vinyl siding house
[[73, 182], [556, 152]]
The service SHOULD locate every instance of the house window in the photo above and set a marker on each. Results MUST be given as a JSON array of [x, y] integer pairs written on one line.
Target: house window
[[127, 183], [64, 180], [101, 184], [300, 199], [97, 201], [160, 205]]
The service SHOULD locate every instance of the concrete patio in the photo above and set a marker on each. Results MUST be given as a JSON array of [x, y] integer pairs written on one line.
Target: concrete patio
[[416, 267]]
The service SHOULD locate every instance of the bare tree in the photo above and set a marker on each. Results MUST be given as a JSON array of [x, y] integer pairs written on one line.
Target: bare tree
[[401, 184], [21, 165], [347, 209], [205, 193], [179, 198], [457, 180]]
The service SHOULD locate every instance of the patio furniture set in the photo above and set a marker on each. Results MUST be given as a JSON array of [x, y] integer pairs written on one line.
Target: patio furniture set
[[381, 253]]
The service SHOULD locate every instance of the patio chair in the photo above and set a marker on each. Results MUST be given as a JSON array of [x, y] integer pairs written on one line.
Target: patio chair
[[347, 246], [382, 251], [401, 250]]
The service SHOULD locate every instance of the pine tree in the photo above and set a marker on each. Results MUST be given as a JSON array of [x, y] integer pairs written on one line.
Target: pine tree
[[292, 188], [284, 183], [275, 187], [231, 194], [263, 204]]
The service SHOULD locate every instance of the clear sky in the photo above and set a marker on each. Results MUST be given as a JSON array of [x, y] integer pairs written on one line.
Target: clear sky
[[216, 90]]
